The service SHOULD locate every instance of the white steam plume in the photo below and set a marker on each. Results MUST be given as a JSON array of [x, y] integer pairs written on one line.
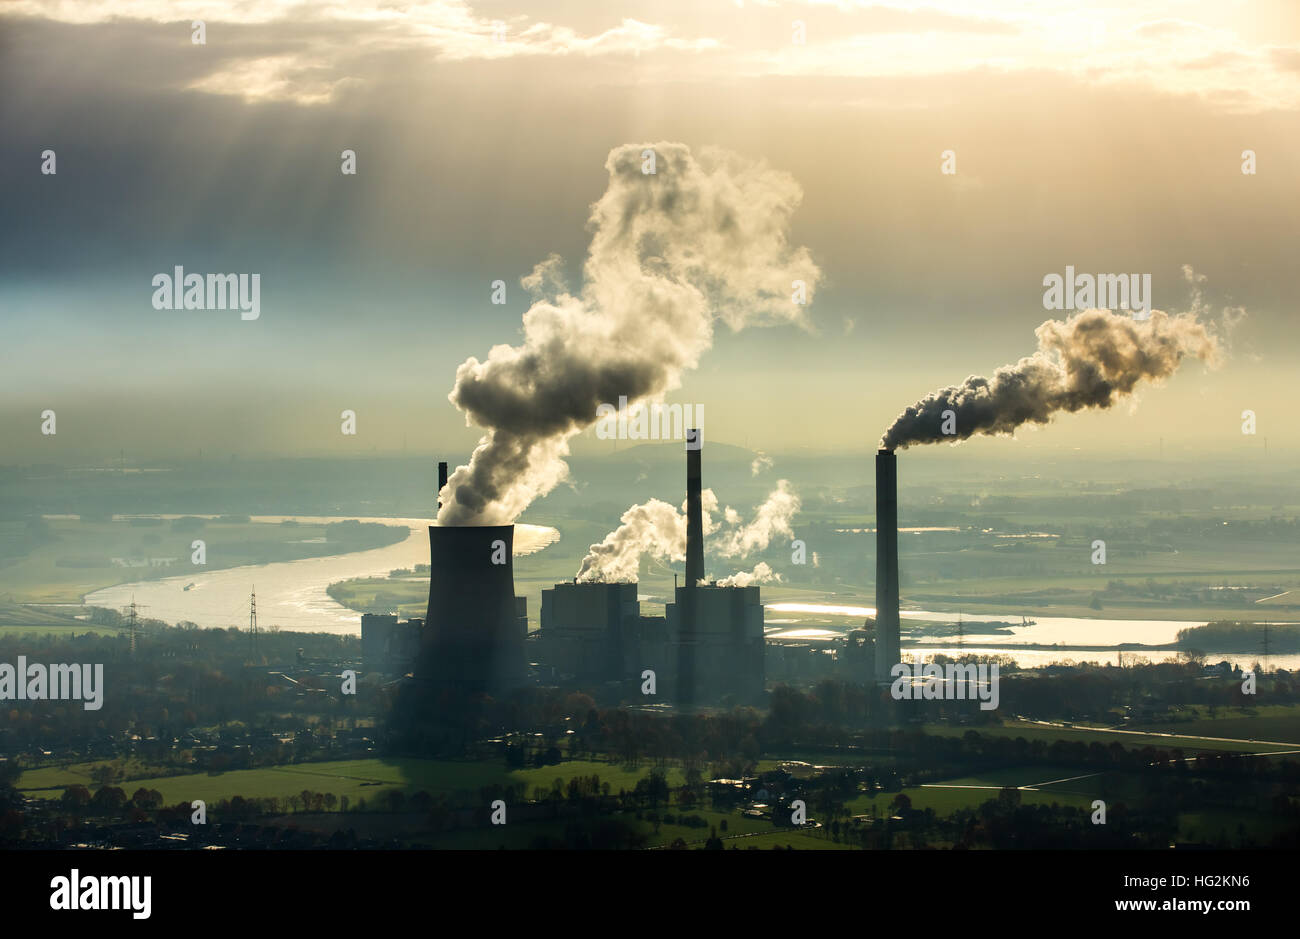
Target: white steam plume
[[702, 237], [761, 574], [772, 518], [657, 530]]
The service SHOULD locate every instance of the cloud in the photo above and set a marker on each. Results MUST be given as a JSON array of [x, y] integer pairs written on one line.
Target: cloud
[[1288, 60], [1163, 29], [306, 53]]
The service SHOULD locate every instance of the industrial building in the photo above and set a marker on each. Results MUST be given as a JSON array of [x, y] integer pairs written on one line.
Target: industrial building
[[721, 631], [707, 647], [589, 630], [388, 646]]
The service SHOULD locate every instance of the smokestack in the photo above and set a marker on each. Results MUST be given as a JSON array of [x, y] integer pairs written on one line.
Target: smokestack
[[687, 596], [471, 634], [442, 482], [694, 510], [887, 644]]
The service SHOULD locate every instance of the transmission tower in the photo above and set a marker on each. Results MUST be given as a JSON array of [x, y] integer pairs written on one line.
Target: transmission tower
[[132, 620], [252, 625], [1264, 643]]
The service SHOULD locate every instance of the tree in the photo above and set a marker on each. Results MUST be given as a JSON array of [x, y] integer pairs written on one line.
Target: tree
[[76, 796], [109, 797], [900, 805], [656, 788], [144, 798]]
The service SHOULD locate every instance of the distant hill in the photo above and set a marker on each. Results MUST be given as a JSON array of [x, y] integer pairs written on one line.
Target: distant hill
[[15, 614], [674, 451]]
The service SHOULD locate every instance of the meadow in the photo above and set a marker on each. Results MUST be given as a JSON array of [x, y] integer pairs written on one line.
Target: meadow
[[357, 779], [1180, 736]]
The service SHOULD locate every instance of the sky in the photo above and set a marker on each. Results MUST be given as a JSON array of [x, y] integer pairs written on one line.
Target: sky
[[1104, 136]]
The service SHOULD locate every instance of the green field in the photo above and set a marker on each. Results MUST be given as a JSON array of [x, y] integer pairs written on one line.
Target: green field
[[460, 782], [1212, 826], [18, 620], [1189, 744], [59, 777], [1278, 722], [356, 779], [945, 800]]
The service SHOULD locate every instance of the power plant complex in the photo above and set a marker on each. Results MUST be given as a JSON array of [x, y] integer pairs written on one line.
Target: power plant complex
[[707, 648]]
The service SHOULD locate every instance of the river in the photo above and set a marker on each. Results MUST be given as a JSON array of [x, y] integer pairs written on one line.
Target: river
[[290, 594], [1046, 631]]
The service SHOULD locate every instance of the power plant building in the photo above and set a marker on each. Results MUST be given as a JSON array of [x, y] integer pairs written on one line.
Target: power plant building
[[708, 646], [725, 639], [589, 630], [388, 646]]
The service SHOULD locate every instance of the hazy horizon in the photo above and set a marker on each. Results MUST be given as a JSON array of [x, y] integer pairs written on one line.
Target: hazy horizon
[[1111, 148]]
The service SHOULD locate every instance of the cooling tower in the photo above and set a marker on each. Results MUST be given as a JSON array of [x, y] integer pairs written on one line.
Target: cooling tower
[[473, 637], [442, 482], [887, 651]]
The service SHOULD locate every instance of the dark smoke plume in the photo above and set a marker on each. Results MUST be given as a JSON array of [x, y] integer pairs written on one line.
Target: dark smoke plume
[[1091, 360]]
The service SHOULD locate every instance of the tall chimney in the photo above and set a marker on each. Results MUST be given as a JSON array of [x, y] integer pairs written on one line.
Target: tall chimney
[[694, 510], [442, 482], [887, 644], [687, 595]]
